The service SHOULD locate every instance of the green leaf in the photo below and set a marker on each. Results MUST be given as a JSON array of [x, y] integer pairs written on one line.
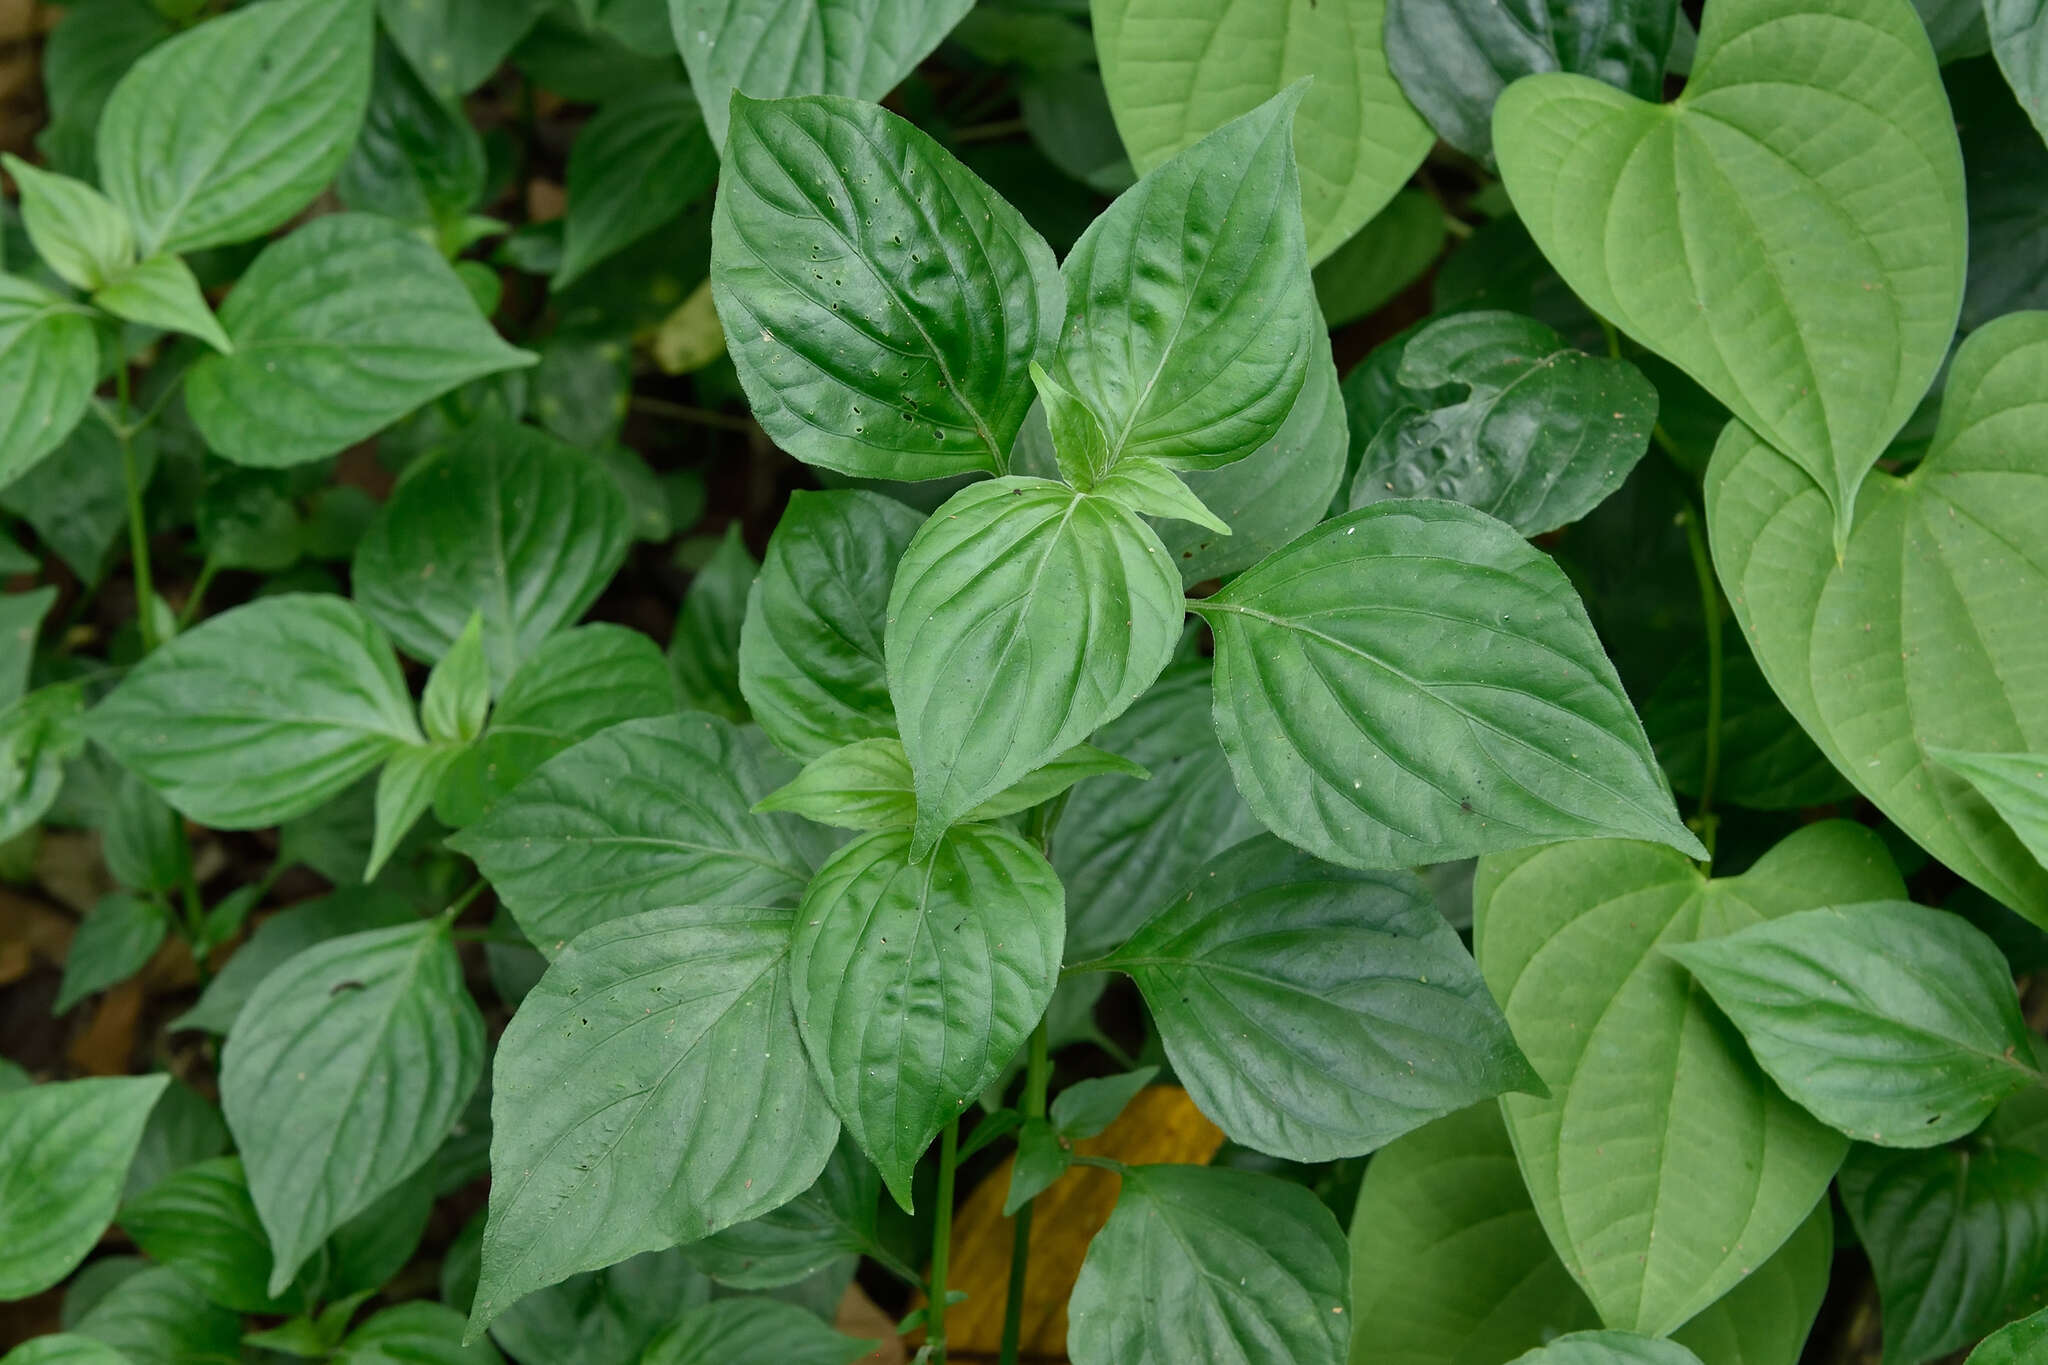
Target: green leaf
[[1609, 1348], [456, 44], [143, 840], [875, 332], [1176, 71], [343, 1073], [1766, 761], [861, 48], [1498, 726], [703, 653], [1391, 252], [183, 1128], [2016, 785], [418, 158], [262, 713], [162, 292], [1023, 616], [351, 910], [1894, 665], [202, 1223], [457, 697], [1454, 60], [405, 791], [1503, 416], [728, 1330], [38, 735], [227, 130], [415, 1333], [155, 1314], [506, 520], [1150, 488], [1315, 1012], [915, 982], [1658, 1209], [116, 940], [64, 1149], [2003, 160], [648, 814], [339, 329], [49, 362], [834, 1218], [64, 1348], [577, 683], [641, 161], [1790, 232], [2019, 39], [1955, 1238], [2014, 1344], [1080, 447], [1193, 315], [1894, 1023], [78, 231], [866, 785], [21, 620], [811, 657], [1043, 784], [1042, 1158], [1237, 1269], [605, 1318], [1087, 1107], [651, 1090]]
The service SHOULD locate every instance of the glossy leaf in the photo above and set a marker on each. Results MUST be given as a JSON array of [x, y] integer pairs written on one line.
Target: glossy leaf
[[648, 814], [1176, 70], [652, 1089], [64, 1149], [1023, 616], [339, 329], [1499, 726], [916, 981], [262, 713], [227, 130], [49, 362], [1657, 1208], [1894, 1023], [1790, 233], [506, 520], [116, 940], [418, 159], [641, 161], [1193, 314], [202, 1223], [1238, 1269], [732, 1329], [1315, 1012], [881, 303], [343, 1073], [1875, 653], [1503, 416]]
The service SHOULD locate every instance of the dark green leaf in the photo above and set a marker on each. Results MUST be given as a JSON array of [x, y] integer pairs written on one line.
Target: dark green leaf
[[182, 1129], [2016, 785], [1766, 761], [202, 1223], [603, 1318], [350, 910], [1066, 111], [38, 735], [414, 1333], [834, 1218], [49, 362], [1381, 259], [704, 651], [456, 44], [1085, 1108], [1042, 1158], [2019, 40], [2004, 163], [418, 159], [21, 619], [728, 1330], [64, 1149], [639, 163], [115, 941], [156, 1316], [82, 62], [143, 839]]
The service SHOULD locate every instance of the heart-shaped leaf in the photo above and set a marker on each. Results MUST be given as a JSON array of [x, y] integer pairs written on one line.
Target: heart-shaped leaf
[[1921, 634], [1790, 232]]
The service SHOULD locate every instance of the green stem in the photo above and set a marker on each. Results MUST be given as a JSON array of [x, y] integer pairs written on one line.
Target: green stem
[[1710, 608], [942, 1244], [1100, 1163], [1037, 1078], [1613, 338], [198, 595], [138, 529]]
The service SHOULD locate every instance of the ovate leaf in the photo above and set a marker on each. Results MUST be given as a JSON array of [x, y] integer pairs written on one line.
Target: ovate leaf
[[1238, 1269], [732, 1329], [641, 161], [342, 1075], [338, 330], [78, 231], [114, 942], [1175, 71], [49, 362], [262, 713], [202, 1223], [163, 292], [1317, 1012], [916, 981], [881, 303], [64, 1149], [155, 1314], [456, 44], [652, 1089], [607, 1316], [227, 130], [1790, 233], [283, 936], [1366, 738]]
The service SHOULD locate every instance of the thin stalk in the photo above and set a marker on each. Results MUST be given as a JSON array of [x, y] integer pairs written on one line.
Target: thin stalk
[[1037, 1078], [1710, 608], [195, 921], [684, 412], [138, 529], [197, 597], [942, 1244]]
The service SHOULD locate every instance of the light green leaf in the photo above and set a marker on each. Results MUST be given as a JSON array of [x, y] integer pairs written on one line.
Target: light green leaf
[[1657, 1208], [2014, 1344], [1392, 251], [2016, 785], [1789, 233], [64, 1348], [416, 1333], [1315, 1012], [505, 520], [1238, 1269], [1023, 616], [227, 130], [915, 982], [64, 1149], [78, 231], [875, 332], [405, 791], [49, 362], [1911, 640], [652, 1089], [1367, 739], [727, 1330], [860, 48], [641, 161], [866, 785], [38, 735], [351, 910], [2019, 39], [343, 1073], [457, 696], [811, 658], [1080, 447], [1151, 489], [456, 44], [703, 653], [116, 940], [1193, 315], [339, 329], [202, 1223], [1176, 69], [1608, 1348], [262, 713], [156, 1315], [1043, 784], [1086, 1108], [1500, 414], [648, 814], [1894, 1023], [162, 292]]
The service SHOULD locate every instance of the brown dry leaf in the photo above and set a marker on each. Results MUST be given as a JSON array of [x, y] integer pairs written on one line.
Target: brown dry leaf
[[29, 931], [545, 201], [106, 1046], [859, 1317], [69, 867], [1161, 1125]]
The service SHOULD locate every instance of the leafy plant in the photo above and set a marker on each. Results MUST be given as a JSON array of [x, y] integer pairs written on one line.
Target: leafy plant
[[695, 681]]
